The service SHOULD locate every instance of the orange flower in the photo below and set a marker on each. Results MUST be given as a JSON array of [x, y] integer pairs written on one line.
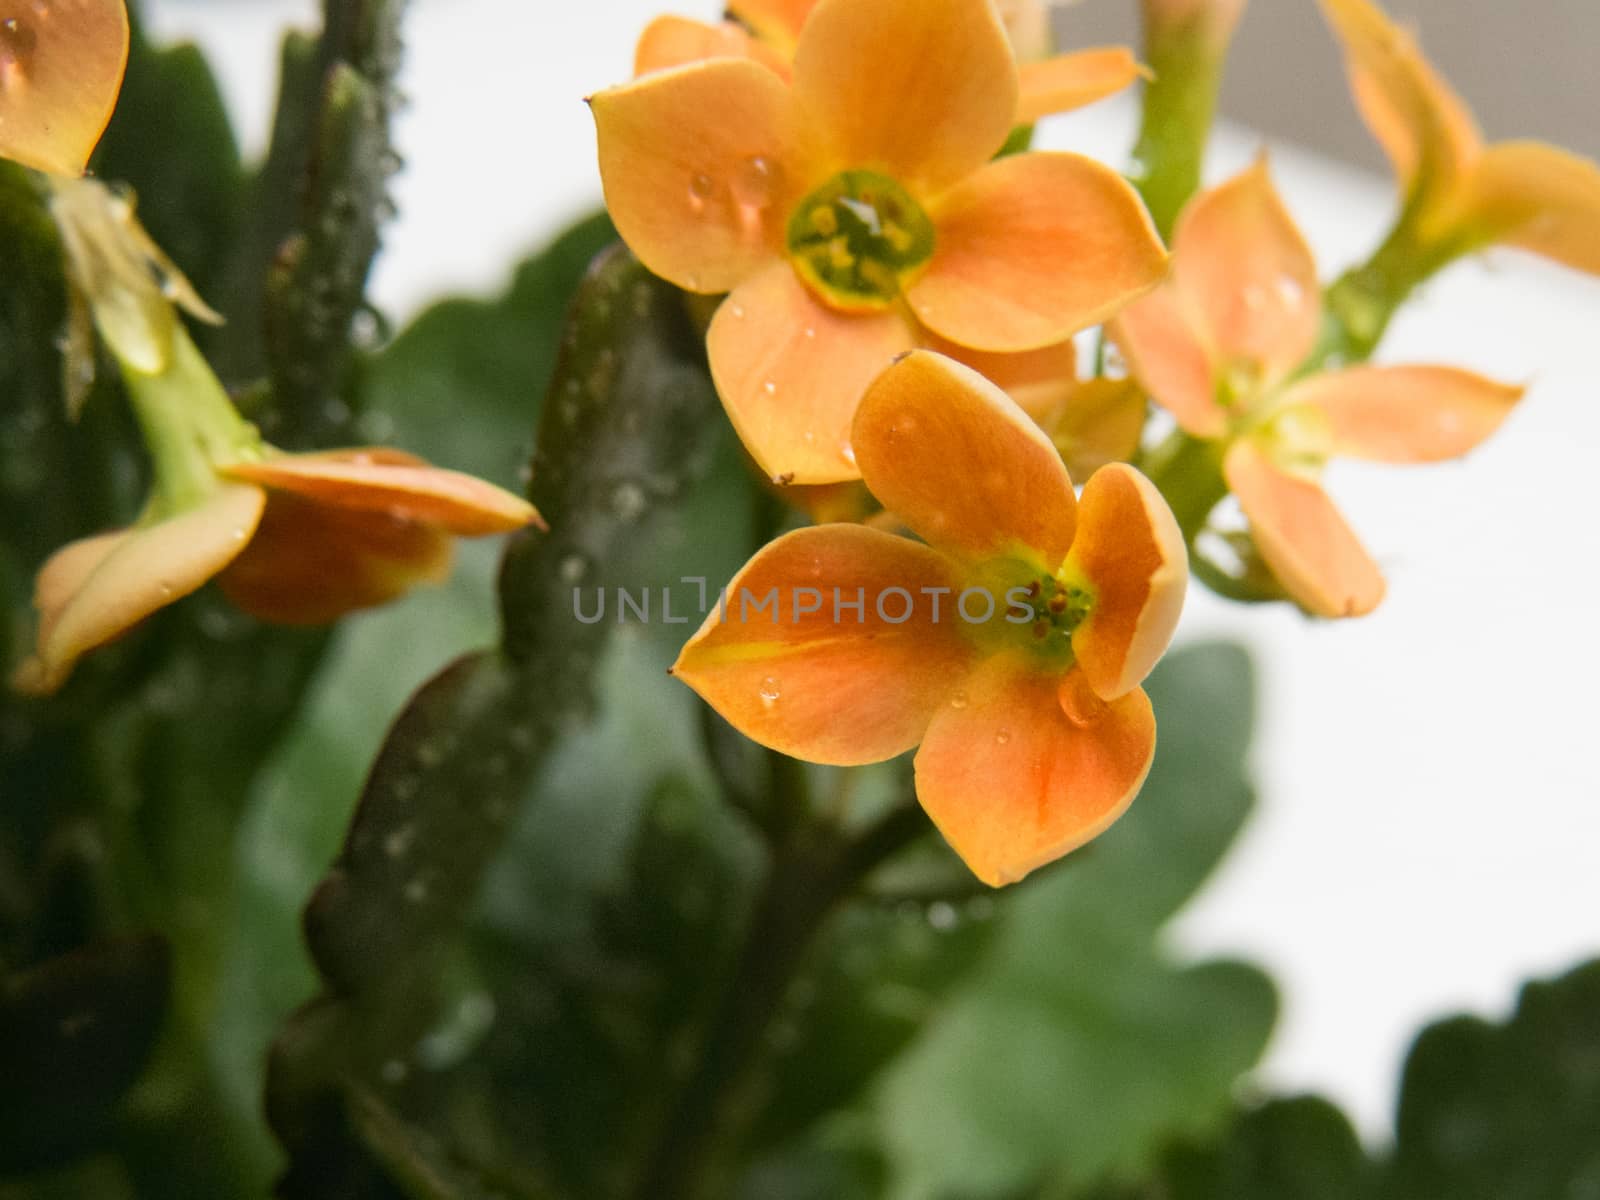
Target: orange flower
[[1011, 645], [855, 208], [1219, 346], [61, 64], [1461, 195], [295, 539], [768, 31]]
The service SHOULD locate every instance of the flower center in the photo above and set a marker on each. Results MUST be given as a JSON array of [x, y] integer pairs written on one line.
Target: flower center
[[1034, 609], [857, 237]]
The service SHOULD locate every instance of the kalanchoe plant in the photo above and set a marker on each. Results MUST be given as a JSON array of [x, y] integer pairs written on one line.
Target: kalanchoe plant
[[673, 913]]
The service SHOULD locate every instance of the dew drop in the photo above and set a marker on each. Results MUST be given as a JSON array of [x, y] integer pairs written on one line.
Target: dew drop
[[398, 842], [17, 43], [756, 183], [573, 568], [811, 332], [959, 700], [1002, 738], [942, 916], [769, 691], [1290, 290], [848, 453], [701, 186], [627, 501], [736, 311], [770, 387], [166, 589]]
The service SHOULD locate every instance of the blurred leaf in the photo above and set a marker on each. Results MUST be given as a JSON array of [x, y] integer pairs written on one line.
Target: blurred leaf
[[1506, 1112], [1297, 1149], [74, 1033], [1081, 1046]]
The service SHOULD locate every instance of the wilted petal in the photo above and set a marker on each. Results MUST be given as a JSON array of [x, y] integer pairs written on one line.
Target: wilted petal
[[1406, 414], [953, 456], [1033, 248], [391, 482], [311, 562], [790, 371], [61, 68], [95, 590], [1130, 553], [1539, 198], [1013, 782], [831, 686], [1160, 337], [685, 155], [1303, 537], [923, 90], [1422, 125], [1247, 276], [669, 42], [1070, 81]]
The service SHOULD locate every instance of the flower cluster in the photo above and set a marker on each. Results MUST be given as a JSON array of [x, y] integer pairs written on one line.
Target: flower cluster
[[900, 292]]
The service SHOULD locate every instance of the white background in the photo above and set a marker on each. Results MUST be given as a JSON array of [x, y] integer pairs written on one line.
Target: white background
[[1429, 823]]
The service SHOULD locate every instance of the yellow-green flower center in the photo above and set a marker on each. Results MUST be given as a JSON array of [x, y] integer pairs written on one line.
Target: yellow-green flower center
[[1034, 609], [857, 237]]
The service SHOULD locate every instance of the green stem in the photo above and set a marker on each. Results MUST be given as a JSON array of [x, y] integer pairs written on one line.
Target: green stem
[[810, 873], [1359, 305], [1188, 472], [189, 425], [1180, 104]]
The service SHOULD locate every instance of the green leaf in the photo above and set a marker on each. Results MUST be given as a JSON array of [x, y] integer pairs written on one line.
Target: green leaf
[[74, 1033], [1081, 1045], [1296, 1149], [1506, 1112]]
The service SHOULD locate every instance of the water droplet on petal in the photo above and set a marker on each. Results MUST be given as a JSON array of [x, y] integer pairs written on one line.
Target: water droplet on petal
[[811, 332], [848, 453], [17, 43], [1002, 738], [769, 691], [1290, 290], [959, 700], [756, 183], [700, 188], [770, 387]]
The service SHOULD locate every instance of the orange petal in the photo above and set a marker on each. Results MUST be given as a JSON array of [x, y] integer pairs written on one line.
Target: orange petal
[[1423, 126], [374, 479], [1130, 554], [1165, 348], [923, 90], [1033, 248], [791, 371], [1246, 273], [1014, 782], [61, 68], [823, 685], [677, 41], [1070, 81], [698, 170], [1540, 198], [1040, 381], [956, 459], [1406, 414], [1303, 537], [95, 590], [310, 562], [1101, 423], [777, 22]]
